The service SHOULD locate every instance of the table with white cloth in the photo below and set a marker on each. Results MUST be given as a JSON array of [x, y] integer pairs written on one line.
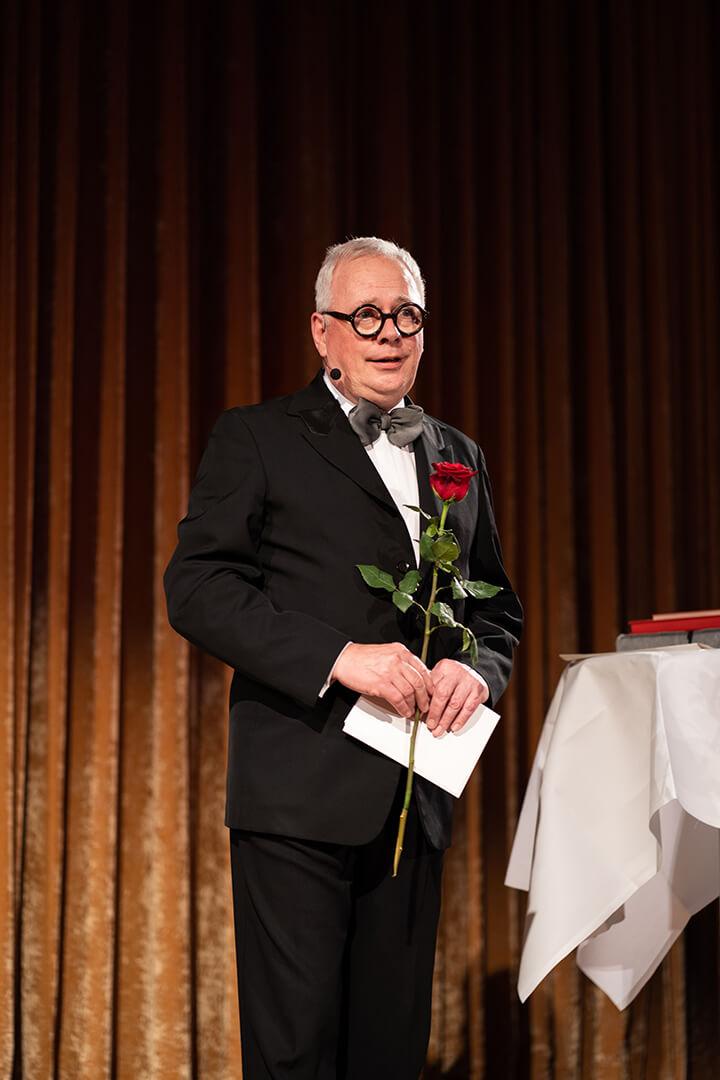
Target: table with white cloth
[[618, 841]]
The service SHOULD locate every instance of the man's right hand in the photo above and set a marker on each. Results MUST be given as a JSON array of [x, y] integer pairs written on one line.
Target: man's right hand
[[390, 672]]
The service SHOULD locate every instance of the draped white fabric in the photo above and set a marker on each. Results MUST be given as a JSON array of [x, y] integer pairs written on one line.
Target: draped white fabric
[[618, 841]]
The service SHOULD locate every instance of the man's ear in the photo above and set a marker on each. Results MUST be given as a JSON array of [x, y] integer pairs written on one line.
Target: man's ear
[[317, 329]]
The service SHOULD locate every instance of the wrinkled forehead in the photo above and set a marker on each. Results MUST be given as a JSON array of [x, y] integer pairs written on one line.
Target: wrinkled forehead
[[372, 280]]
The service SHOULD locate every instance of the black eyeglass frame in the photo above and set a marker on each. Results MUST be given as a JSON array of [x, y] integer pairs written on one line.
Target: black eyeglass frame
[[384, 315]]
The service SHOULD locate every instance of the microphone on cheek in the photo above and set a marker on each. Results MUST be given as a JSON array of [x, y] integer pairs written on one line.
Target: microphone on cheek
[[335, 373]]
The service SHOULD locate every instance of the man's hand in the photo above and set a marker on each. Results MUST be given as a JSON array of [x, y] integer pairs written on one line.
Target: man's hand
[[456, 695], [390, 672]]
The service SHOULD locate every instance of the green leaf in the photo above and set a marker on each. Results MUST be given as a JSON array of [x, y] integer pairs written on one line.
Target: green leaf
[[469, 644], [376, 578], [432, 528], [444, 613], [481, 590], [445, 548], [410, 582], [428, 517], [458, 590], [402, 600], [426, 547], [440, 548]]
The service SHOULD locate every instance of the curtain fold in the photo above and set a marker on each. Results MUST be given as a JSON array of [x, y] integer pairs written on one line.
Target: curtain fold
[[170, 176]]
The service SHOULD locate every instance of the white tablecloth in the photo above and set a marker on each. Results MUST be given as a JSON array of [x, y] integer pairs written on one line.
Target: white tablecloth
[[618, 841]]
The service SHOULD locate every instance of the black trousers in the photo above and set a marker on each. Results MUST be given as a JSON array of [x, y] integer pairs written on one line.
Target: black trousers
[[334, 955]]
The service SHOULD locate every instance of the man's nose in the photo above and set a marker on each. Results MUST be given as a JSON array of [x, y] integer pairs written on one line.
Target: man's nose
[[389, 334]]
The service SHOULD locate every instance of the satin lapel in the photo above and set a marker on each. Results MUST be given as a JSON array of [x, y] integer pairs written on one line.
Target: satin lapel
[[326, 428]]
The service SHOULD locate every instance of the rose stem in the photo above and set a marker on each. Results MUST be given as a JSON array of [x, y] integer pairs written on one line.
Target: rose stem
[[413, 735]]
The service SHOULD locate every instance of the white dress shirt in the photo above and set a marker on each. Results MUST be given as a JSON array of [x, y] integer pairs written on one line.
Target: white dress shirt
[[398, 471], [396, 465]]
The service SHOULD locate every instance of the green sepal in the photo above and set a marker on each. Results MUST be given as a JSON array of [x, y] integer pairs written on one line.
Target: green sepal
[[481, 590], [410, 582], [376, 578]]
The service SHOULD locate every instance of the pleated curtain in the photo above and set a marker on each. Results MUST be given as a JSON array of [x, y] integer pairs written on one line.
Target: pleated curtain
[[171, 175]]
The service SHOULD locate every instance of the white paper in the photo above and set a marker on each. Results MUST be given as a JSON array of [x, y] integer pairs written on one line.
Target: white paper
[[447, 760]]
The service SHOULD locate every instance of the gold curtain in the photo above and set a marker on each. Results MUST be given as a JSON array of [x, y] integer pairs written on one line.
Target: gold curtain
[[171, 174]]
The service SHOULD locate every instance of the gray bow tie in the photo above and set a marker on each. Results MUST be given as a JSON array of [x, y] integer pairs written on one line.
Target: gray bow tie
[[402, 424]]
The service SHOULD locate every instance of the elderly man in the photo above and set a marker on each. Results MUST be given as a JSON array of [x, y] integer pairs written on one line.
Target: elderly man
[[334, 955]]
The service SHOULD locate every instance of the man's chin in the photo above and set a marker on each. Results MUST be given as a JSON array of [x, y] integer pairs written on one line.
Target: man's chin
[[393, 379]]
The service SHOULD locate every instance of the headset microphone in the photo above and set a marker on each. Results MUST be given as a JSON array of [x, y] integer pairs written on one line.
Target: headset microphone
[[335, 373]]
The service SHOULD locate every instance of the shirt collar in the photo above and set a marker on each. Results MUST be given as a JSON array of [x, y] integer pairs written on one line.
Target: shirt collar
[[346, 405]]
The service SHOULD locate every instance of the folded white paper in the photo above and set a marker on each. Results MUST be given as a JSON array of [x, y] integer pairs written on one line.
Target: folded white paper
[[446, 761]]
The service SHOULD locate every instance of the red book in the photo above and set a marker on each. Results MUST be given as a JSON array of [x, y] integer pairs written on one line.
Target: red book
[[686, 614], [659, 626]]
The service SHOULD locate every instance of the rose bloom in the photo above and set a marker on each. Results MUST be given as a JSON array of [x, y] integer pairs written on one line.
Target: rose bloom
[[451, 480]]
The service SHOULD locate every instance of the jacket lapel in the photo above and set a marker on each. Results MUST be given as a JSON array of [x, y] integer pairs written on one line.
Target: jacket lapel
[[326, 428], [430, 447]]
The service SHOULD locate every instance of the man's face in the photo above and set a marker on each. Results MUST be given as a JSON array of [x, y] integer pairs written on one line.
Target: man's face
[[381, 369]]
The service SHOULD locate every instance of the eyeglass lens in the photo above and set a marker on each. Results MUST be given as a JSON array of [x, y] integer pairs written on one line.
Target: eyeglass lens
[[369, 319]]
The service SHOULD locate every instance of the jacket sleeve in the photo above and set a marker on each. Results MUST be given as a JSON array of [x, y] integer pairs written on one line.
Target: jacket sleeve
[[496, 622], [214, 580]]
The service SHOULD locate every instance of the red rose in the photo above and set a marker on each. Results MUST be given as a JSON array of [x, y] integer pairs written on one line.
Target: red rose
[[451, 480]]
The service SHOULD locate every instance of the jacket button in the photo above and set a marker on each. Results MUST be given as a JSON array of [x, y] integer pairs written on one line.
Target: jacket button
[[402, 567]]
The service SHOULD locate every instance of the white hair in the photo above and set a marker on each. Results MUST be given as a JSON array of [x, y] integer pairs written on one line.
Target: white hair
[[355, 248]]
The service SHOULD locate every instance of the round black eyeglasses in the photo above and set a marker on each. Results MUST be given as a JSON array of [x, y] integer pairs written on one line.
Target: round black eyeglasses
[[368, 320]]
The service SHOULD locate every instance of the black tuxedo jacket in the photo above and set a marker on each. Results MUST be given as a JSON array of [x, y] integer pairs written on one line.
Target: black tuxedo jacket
[[285, 503]]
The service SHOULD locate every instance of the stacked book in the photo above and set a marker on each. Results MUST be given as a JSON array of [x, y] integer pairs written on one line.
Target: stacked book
[[677, 620], [672, 628]]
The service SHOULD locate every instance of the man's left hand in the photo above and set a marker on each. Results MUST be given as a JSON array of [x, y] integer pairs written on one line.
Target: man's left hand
[[456, 695]]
